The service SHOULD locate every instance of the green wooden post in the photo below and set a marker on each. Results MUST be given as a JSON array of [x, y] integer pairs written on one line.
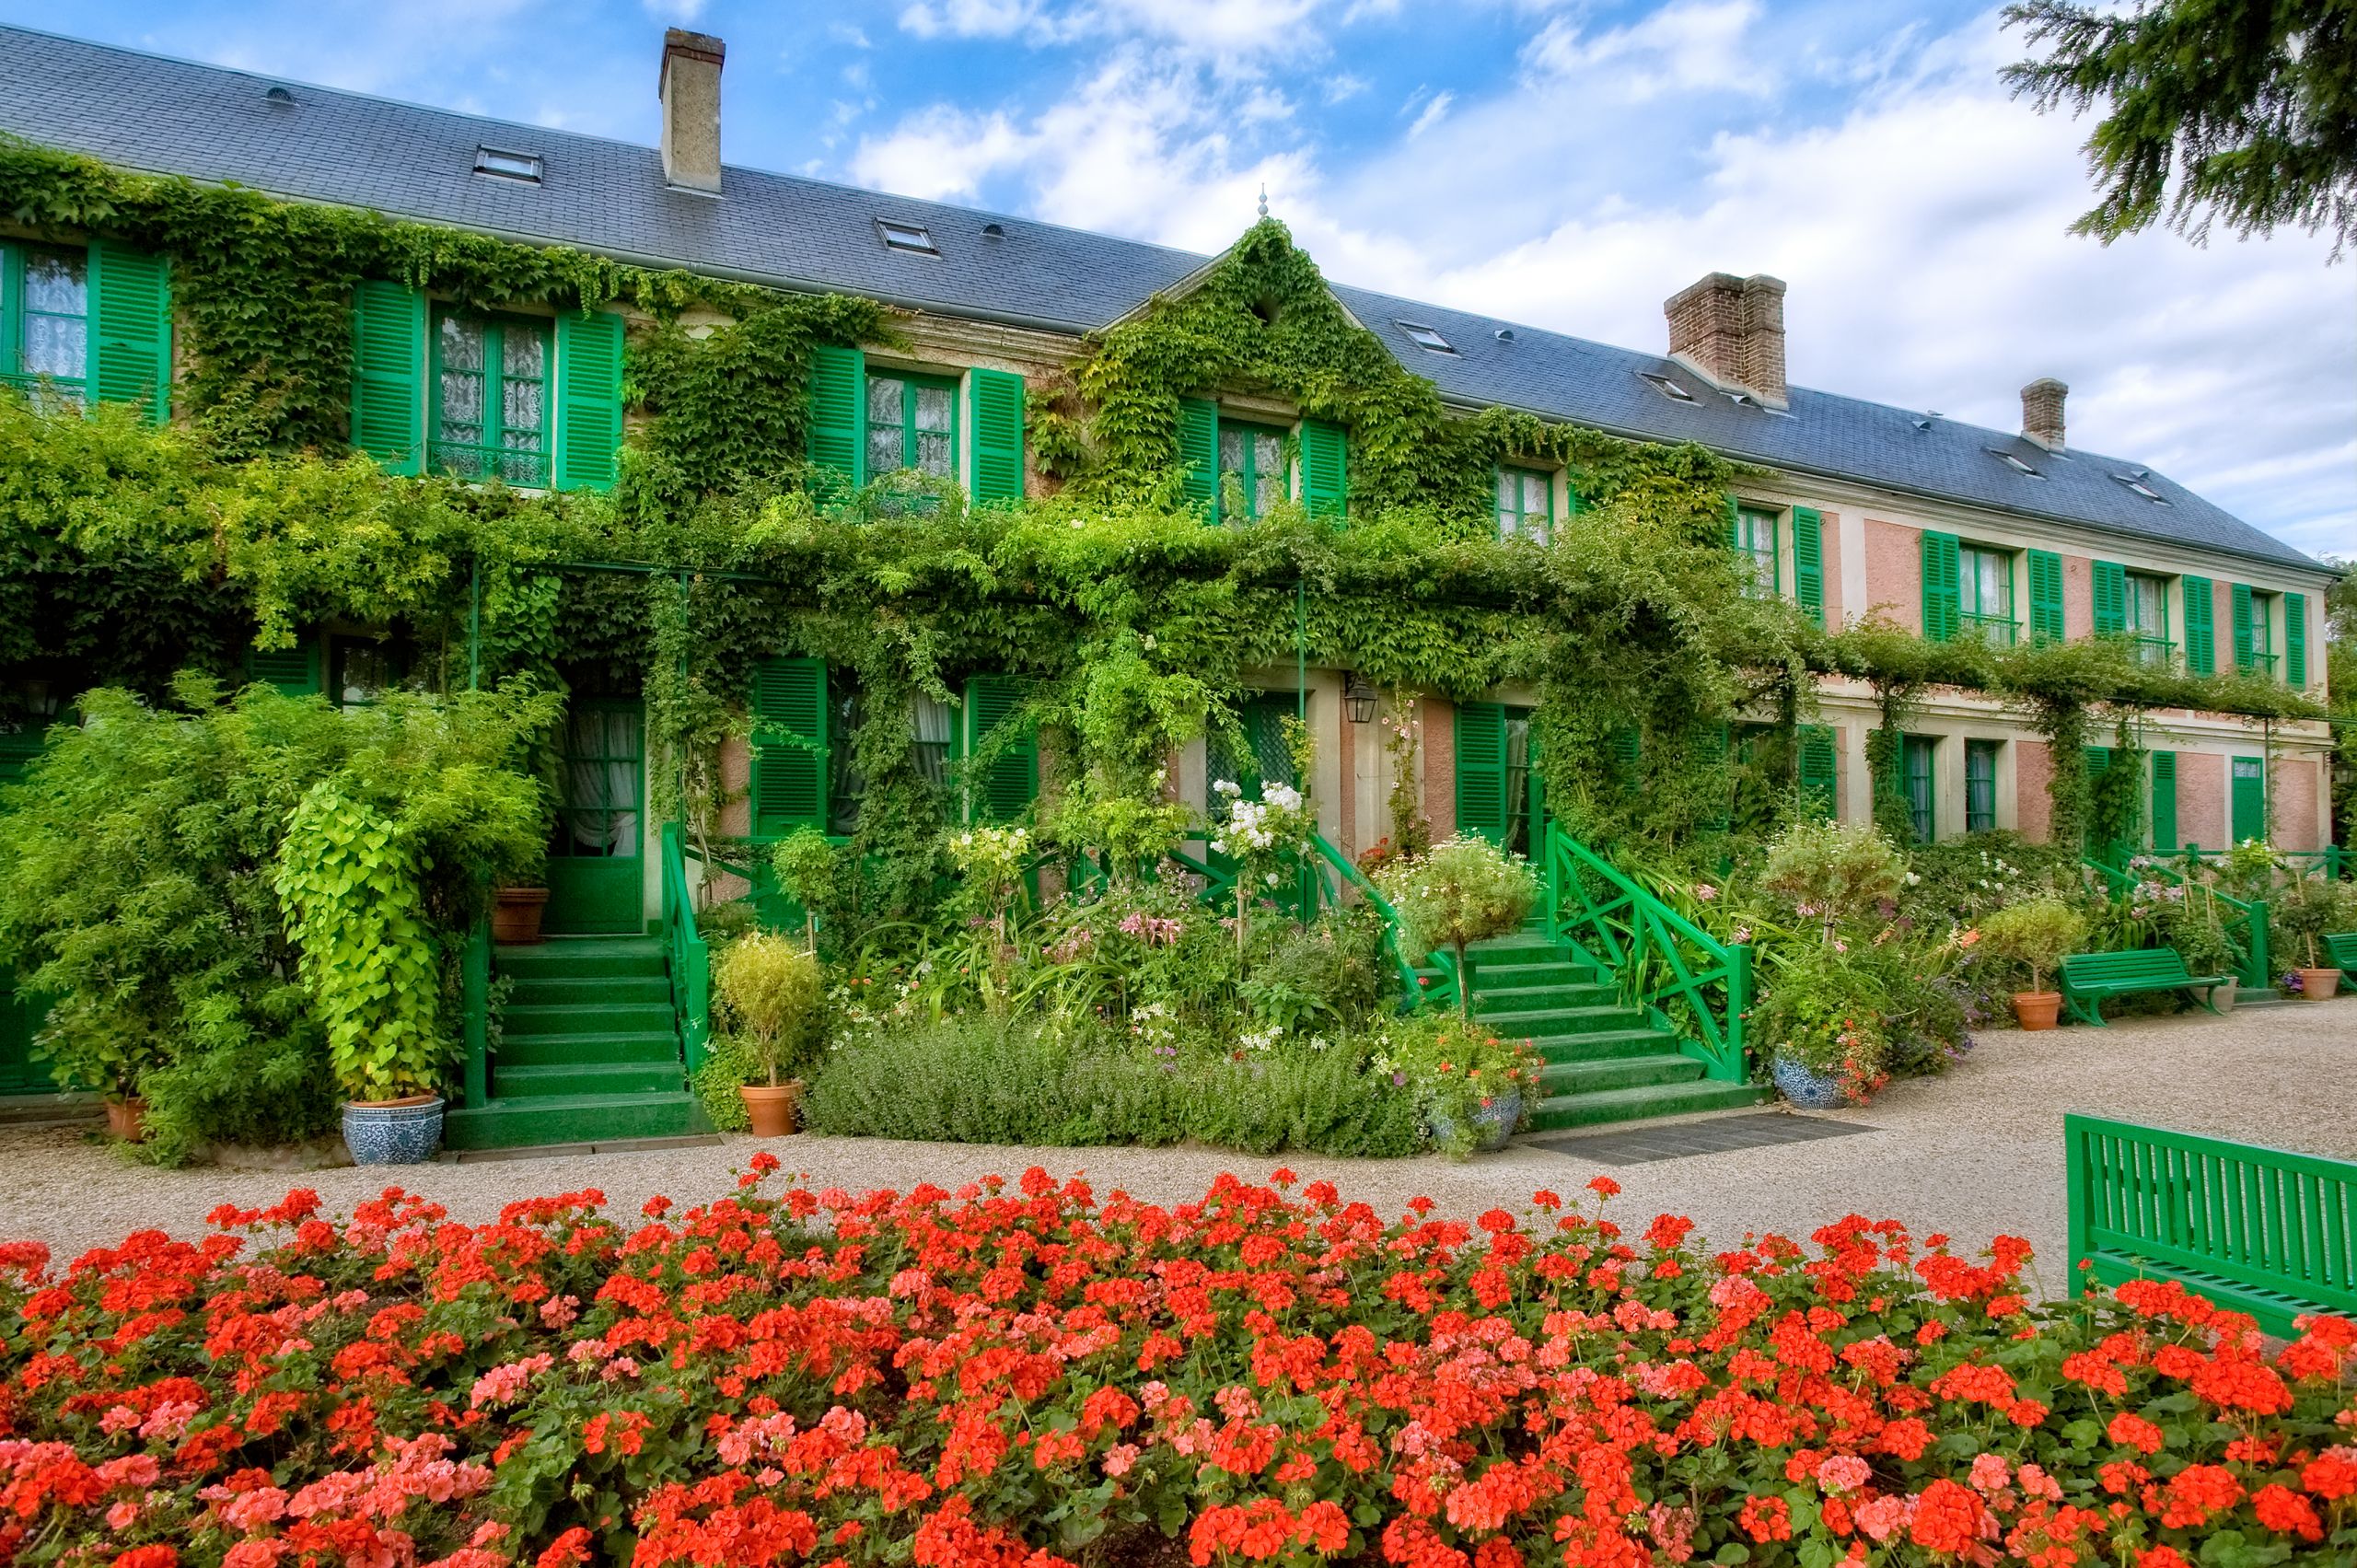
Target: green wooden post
[[475, 987], [1731, 1066], [474, 625], [2075, 1139], [2261, 964]]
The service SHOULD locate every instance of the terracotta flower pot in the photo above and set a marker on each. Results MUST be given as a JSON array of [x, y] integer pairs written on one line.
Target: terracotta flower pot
[[771, 1107], [2318, 985], [516, 919], [126, 1118], [2036, 1009]]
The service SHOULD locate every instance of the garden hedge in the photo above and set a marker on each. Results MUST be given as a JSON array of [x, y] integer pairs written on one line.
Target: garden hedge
[[1036, 1376]]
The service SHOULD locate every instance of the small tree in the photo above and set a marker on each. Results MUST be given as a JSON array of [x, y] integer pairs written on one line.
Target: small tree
[[773, 990], [1830, 872], [2307, 908], [1466, 891], [808, 871], [2039, 932]]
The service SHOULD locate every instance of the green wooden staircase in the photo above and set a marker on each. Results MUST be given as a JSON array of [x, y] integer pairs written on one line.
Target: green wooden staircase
[[1607, 1059], [590, 1050]]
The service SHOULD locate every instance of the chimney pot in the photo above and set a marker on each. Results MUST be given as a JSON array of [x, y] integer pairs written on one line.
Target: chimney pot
[[2042, 412], [1731, 331], [690, 88]]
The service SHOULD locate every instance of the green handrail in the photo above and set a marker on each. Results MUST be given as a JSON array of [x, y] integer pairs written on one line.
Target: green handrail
[[474, 992], [1623, 928], [2244, 923], [690, 957], [1412, 989]]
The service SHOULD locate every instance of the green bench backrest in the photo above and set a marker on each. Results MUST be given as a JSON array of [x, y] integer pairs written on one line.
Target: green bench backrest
[[2100, 969], [2342, 950], [2257, 1216]]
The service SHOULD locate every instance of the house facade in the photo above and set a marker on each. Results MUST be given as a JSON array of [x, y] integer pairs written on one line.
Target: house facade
[[1865, 510]]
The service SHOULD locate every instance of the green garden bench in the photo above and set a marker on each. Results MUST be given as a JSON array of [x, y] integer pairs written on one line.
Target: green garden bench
[[2090, 978], [2256, 1230], [2342, 950]]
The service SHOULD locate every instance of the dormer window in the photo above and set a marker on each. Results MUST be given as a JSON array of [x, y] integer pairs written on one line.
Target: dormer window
[[1667, 388], [912, 238], [1425, 338], [2014, 463], [522, 166], [2135, 481]]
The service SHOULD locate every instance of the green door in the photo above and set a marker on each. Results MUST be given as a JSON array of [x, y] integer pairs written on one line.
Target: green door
[[597, 880], [21, 1017], [2250, 797]]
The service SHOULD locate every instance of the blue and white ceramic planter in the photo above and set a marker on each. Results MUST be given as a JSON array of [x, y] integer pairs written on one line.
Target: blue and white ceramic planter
[[1492, 1123], [1805, 1087], [399, 1133]]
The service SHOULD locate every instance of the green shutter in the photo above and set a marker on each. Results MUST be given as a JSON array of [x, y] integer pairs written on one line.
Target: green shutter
[[998, 436], [1482, 770], [838, 441], [389, 375], [2296, 641], [2201, 627], [1820, 771], [2245, 655], [295, 671], [2046, 624], [2111, 597], [2248, 795], [588, 399], [1808, 562], [1199, 449], [789, 782], [1012, 781], [1943, 600], [1325, 468], [2164, 802], [131, 329], [17, 749]]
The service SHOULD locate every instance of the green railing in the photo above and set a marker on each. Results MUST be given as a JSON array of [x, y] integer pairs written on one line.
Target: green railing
[[1338, 871], [691, 957], [474, 1000], [1694, 983], [2243, 922]]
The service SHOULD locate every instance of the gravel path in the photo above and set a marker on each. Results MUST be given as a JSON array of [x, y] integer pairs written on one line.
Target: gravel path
[[1974, 1153]]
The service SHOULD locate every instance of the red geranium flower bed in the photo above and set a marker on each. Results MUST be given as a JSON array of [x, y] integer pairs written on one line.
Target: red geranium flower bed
[[1034, 1377]]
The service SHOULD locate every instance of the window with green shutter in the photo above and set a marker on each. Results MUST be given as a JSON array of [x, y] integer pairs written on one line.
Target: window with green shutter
[[1808, 562], [2145, 603], [1985, 594], [1199, 452], [2097, 761], [1820, 771], [2247, 647], [2046, 623], [911, 425], [791, 755], [361, 669], [1482, 785], [389, 375], [1325, 468], [1980, 785], [2164, 802], [2247, 794], [2262, 633], [2296, 641], [837, 443], [2200, 625], [2110, 595], [131, 329], [45, 321], [1756, 531], [490, 397], [1943, 591], [1918, 756], [295, 671], [588, 426], [992, 726], [996, 468], [1252, 476], [1255, 753], [1526, 505]]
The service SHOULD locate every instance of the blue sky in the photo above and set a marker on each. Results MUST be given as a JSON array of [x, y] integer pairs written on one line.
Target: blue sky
[[1567, 163]]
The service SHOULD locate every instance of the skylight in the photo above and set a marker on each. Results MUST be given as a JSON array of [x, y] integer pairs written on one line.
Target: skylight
[[1426, 338], [2014, 463], [1667, 388], [2135, 481], [913, 237], [525, 167]]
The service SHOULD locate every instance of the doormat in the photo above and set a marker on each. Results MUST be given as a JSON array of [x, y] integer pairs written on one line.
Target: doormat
[[1642, 1145]]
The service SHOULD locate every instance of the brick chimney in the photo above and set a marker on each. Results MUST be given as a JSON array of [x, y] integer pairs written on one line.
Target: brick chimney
[[2042, 412], [690, 88], [1731, 331]]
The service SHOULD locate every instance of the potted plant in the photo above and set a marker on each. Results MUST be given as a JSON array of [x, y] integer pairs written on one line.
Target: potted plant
[[2304, 911], [772, 991], [2037, 934], [515, 914], [1464, 889], [1471, 1086], [87, 1050]]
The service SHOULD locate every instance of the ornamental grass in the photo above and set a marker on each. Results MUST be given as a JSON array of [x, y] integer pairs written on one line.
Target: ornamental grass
[[1032, 1375]]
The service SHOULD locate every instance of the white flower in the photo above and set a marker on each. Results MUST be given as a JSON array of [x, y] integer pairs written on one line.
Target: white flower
[[1913, 879]]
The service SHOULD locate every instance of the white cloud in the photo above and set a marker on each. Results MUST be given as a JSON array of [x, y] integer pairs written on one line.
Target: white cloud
[[682, 11], [1433, 111], [1687, 46]]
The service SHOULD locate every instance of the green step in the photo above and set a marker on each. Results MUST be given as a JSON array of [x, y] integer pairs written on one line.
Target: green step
[[1617, 1073], [1553, 1021], [1536, 976], [1543, 998], [511, 1080], [1647, 1100], [556, 1050], [587, 1017], [1507, 952], [574, 1119], [573, 956], [1605, 1045], [538, 991]]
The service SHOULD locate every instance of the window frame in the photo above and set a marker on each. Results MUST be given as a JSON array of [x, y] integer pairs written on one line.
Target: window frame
[[495, 325], [1522, 516], [910, 382], [1972, 616], [2156, 651], [1923, 815], [1248, 476], [2263, 622], [1981, 792], [399, 656], [1746, 512], [13, 255]]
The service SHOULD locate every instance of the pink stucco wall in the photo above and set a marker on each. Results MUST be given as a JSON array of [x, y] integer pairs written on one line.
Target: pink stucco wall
[[2201, 799], [2078, 597], [2033, 809], [2295, 804], [1346, 756], [1440, 766], [1895, 572]]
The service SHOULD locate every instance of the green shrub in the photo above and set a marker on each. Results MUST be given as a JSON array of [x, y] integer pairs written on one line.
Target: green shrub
[[726, 1068], [774, 996], [963, 1080], [2037, 934], [1465, 891], [2302, 913], [1831, 872], [1961, 879], [809, 870], [1450, 1068]]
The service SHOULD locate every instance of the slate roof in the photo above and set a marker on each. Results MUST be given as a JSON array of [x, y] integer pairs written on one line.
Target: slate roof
[[211, 123]]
